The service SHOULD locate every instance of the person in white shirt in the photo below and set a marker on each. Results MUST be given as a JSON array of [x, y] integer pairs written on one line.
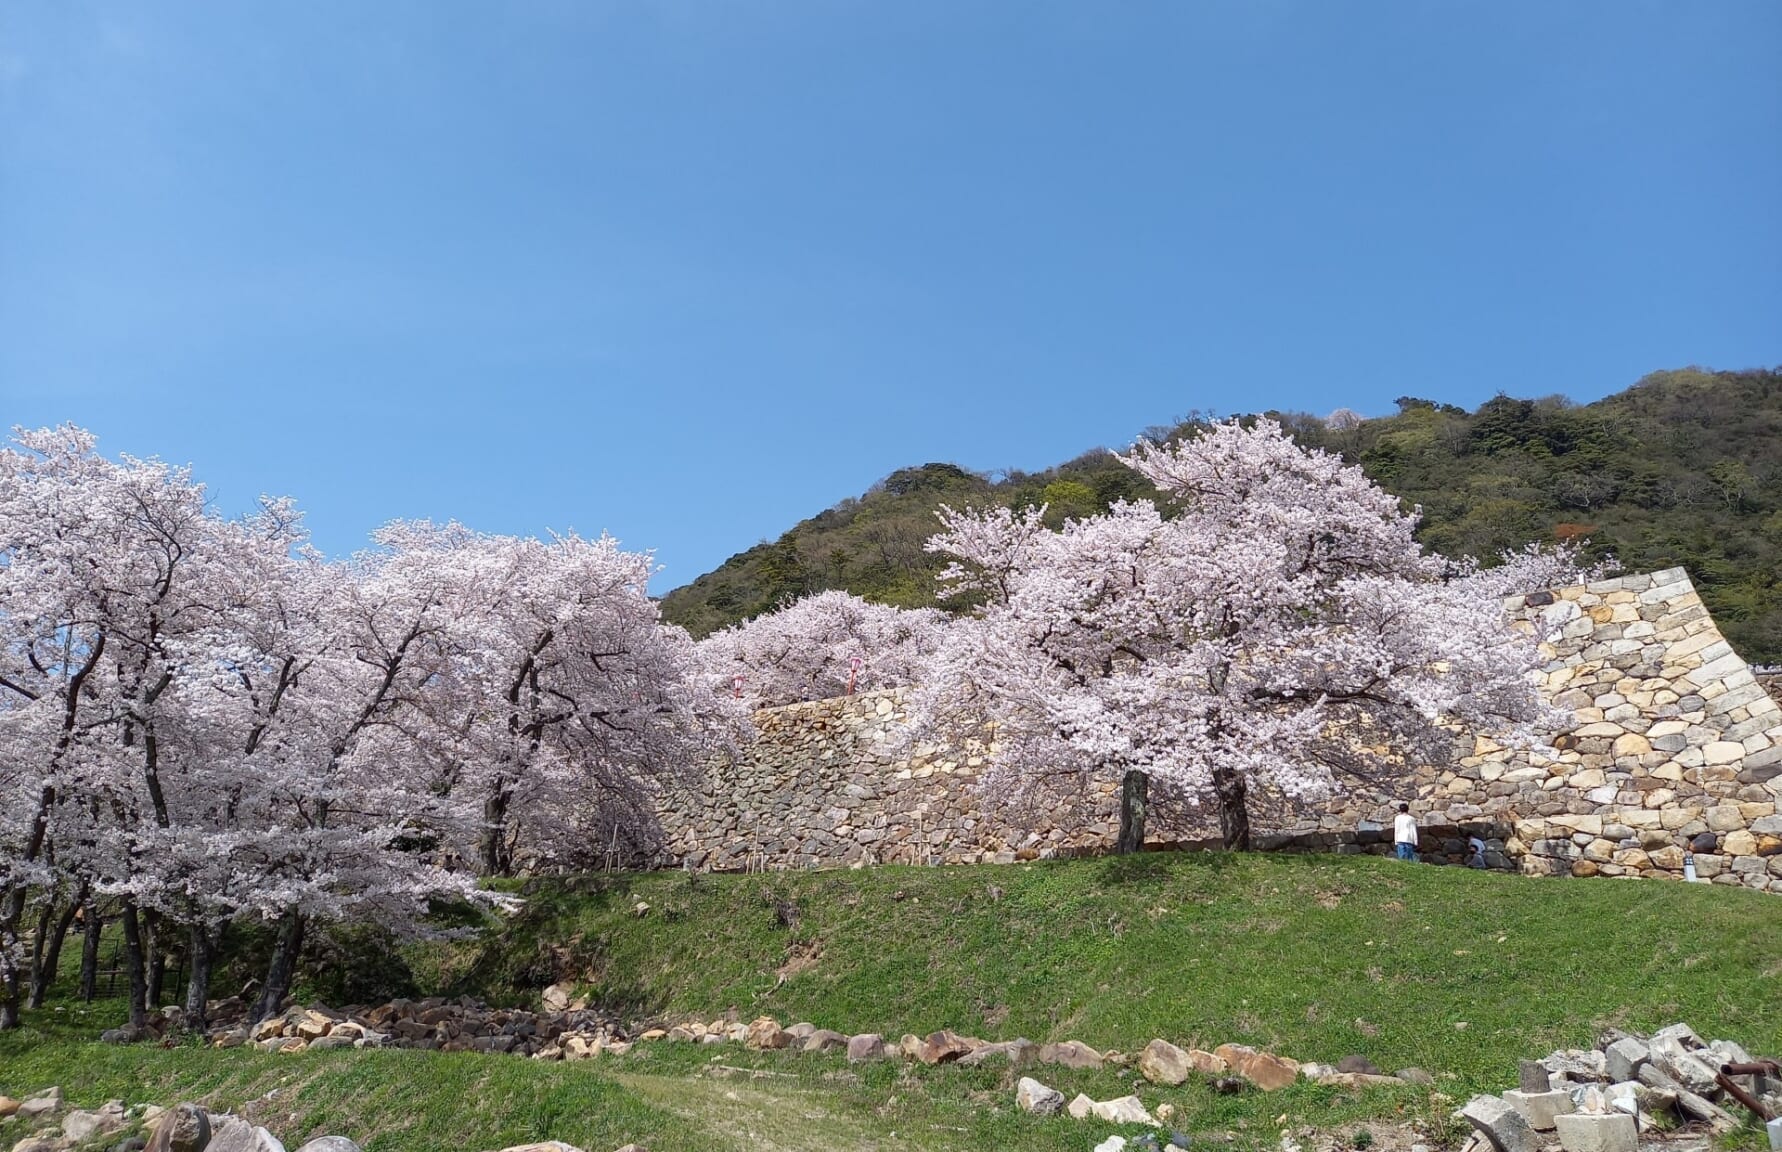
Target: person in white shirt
[[1404, 833]]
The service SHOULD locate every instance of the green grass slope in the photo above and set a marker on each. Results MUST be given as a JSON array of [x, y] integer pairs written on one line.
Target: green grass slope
[[1460, 973], [1313, 956]]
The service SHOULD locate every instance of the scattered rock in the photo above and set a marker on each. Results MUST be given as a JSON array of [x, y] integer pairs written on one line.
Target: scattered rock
[[1415, 1076], [1163, 1063], [1112, 1144], [867, 1046], [1124, 1110], [1020, 1053], [1080, 1107], [1358, 1063], [80, 1126], [1033, 1097], [46, 1103], [824, 1040], [764, 1033], [233, 1134], [330, 1144], [943, 1047], [1207, 1062], [556, 997], [1070, 1054], [7, 1106], [185, 1129], [1534, 1076], [1263, 1069]]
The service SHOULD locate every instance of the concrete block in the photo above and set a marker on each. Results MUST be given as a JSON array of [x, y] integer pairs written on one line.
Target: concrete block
[[1625, 1057], [1498, 1121], [1609, 1132], [1540, 1108]]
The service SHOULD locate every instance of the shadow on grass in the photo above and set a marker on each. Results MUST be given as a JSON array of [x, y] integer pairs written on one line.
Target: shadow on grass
[[1154, 866]]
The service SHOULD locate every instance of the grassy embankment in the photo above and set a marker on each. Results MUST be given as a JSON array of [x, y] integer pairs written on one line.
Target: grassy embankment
[[1458, 973]]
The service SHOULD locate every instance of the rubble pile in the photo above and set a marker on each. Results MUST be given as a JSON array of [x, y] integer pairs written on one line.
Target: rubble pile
[[437, 1024], [1627, 1093]]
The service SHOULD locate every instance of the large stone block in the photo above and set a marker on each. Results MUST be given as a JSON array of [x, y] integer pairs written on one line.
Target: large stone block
[[1608, 1132], [1626, 1056], [1540, 1108], [1498, 1121]]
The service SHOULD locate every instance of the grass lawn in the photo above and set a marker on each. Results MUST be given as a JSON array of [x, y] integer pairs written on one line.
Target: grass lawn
[[1459, 973]]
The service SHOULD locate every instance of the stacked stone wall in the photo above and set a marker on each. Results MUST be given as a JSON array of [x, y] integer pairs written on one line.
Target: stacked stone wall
[[1675, 749]]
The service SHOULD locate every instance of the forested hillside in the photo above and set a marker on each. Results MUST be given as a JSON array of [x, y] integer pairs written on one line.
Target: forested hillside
[[1684, 467]]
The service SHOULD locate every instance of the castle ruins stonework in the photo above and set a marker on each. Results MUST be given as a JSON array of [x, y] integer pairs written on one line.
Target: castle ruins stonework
[[1675, 751]]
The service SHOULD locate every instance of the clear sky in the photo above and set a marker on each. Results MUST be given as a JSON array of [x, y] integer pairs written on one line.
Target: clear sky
[[688, 271]]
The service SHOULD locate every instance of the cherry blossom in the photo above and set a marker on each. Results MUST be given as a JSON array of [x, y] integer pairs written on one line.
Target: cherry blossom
[[1257, 637]]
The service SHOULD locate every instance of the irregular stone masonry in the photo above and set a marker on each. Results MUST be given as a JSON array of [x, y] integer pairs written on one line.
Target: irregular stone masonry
[[1675, 747]]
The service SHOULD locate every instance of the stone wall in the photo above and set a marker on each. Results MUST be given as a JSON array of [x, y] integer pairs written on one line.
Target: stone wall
[[824, 785], [1675, 747]]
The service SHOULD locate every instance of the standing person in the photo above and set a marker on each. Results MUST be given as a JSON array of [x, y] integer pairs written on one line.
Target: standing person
[[1404, 833]]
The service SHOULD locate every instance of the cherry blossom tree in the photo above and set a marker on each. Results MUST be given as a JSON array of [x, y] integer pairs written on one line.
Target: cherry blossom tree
[[211, 723], [567, 705], [1261, 637], [821, 646], [89, 598]]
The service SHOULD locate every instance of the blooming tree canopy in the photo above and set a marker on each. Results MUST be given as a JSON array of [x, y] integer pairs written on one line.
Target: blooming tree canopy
[[205, 722], [1264, 632], [821, 646]]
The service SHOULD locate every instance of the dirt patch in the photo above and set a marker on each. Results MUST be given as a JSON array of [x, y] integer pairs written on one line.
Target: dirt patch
[[800, 957]]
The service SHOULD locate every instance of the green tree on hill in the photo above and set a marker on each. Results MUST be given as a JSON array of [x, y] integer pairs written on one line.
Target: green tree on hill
[[1684, 467]]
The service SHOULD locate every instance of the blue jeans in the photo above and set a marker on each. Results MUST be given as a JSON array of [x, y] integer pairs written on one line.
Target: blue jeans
[[1406, 851]]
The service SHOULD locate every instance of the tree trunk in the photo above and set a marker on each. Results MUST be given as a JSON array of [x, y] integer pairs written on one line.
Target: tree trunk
[[283, 968], [52, 960], [40, 945], [9, 979], [89, 951], [497, 859], [204, 948], [1134, 794], [157, 957], [134, 965], [1234, 808]]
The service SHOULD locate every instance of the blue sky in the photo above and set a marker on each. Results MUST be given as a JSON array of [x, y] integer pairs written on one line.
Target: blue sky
[[689, 271]]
